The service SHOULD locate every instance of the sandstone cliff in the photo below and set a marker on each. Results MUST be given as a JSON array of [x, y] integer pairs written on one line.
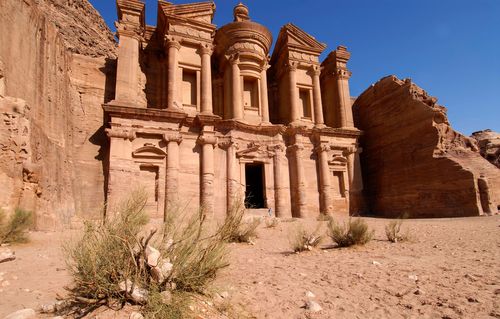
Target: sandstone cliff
[[51, 137], [489, 145], [413, 161]]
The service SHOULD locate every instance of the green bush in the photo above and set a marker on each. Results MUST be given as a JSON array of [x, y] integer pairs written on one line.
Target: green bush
[[14, 229], [354, 232]]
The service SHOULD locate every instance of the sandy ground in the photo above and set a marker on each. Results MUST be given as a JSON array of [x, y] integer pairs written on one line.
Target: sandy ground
[[456, 264]]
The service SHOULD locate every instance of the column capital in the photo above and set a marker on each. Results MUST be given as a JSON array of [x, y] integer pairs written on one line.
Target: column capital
[[207, 139], [228, 143], [315, 70], [173, 42], [277, 148], [206, 49], [172, 137], [121, 133], [295, 148], [322, 148], [342, 73], [233, 58], [349, 150], [291, 66]]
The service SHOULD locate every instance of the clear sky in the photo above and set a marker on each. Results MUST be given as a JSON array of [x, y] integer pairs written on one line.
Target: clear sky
[[451, 48]]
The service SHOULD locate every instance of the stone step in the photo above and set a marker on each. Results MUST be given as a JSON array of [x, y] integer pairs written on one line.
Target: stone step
[[257, 212]]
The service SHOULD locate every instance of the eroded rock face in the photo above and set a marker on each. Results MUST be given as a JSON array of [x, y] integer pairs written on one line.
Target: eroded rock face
[[489, 145], [413, 162]]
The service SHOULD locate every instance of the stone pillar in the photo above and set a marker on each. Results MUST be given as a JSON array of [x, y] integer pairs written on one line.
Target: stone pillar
[[318, 105], [206, 80], [236, 88], [344, 98], [207, 142], [292, 86], [127, 69], [263, 94], [232, 189], [173, 140], [280, 195], [356, 202], [173, 48], [325, 198], [300, 185]]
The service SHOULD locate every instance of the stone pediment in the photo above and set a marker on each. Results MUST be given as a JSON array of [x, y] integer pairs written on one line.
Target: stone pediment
[[295, 38], [196, 12], [149, 151], [254, 151]]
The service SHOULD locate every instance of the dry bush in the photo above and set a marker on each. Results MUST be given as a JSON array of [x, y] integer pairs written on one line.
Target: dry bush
[[354, 232], [302, 239], [271, 222], [394, 233], [14, 229], [111, 263], [236, 229]]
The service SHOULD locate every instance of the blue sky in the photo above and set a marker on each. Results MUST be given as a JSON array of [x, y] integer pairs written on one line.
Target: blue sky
[[451, 48]]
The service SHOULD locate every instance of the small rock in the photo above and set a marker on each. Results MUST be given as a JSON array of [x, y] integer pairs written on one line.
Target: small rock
[[5, 283], [224, 294], [136, 315], [413, 277], [470, 277], [22, 314], [125, 285], [58, 317], [309, 294], [7, 255], [313, 306], [376, 263], [435, 246], [153, 256], [497, 291], [48, 308], [472, 299], [418, 292], [139, 295], [166, 297]]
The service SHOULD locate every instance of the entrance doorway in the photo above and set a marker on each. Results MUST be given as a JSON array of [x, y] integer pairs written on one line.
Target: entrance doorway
[[254, 190]]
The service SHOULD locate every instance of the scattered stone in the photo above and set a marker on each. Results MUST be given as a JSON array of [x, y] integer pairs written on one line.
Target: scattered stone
[[472, 299], [470, 277], [313, 306], [435, 246], [497, 291], [5, 283], [413, 277], [48, 308], [125, 285], [309, 294], [224, 294], [153, 256], [419, 292], [139, 295], [166, 297], [136, 315], [7, 255], [376, 263], [22, 314]]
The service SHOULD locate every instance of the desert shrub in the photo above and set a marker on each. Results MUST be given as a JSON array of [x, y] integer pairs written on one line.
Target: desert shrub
[[271, 222], [117, 261], [14, 229], [394, 233], [302, 239], [354, 232], [236, 229]]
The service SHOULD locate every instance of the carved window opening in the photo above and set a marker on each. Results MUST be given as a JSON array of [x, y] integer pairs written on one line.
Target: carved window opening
[[250, 93], [149, 179], [255, 185], [189, 87], [305, 103], [338, 184]]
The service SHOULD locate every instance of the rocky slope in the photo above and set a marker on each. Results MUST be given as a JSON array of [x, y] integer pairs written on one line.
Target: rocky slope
[[489, 145], [413, 162]]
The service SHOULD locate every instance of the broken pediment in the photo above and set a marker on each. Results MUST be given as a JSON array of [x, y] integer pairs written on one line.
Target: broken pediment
[[293, 38], [254, 151], [191, 19], [149, 151]]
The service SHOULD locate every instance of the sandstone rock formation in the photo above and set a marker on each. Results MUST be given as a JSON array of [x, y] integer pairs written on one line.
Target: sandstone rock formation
[[51, 133], [413, 161], [489, 145]]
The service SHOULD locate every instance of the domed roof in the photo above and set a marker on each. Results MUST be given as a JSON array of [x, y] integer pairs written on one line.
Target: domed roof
[[243, 31]]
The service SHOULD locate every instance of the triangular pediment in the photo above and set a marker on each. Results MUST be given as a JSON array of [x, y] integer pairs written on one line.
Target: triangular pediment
[[298, 37], [198, 11]]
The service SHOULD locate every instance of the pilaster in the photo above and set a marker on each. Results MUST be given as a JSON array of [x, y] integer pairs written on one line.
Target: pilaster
[[173, 139], [326, 201], [208, 141]]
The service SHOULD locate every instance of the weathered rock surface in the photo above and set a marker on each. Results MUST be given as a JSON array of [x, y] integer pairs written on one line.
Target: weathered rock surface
[[22, 314], [51, 134], [489, 145], [413, 162]]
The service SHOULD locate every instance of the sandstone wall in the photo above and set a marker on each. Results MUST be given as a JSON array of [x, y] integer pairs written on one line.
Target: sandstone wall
[[489, 145], [413, 162], [53, 103]]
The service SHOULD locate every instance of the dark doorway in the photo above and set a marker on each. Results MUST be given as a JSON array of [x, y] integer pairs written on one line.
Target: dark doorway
[[254, 192]]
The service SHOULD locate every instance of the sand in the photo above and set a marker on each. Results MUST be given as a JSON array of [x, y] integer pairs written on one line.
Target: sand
[[451, 269]]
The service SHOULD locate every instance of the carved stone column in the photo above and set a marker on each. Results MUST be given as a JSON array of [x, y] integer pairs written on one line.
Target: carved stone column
[[232, 189], [263, 94], [173, 48], [127, 69], [356, 203], [300, 185], [173, 140], [325, 198], [318, 105], [344, 98], [206, 80], [280, 189], [293, 92], [207, 142], [236, 88]]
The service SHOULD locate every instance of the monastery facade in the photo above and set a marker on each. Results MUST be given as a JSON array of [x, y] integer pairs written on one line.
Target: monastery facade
[[203, 116]]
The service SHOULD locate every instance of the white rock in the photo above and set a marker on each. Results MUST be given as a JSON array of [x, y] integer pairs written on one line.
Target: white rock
[[309, 294], [5, 283], [7, 255], [313, 306], [224, 294], [166, 297], [139, 295], [22, 314], [136, 315], [125, 285], [376, 263], [162, 271], [153, 256], [413, 277], [48, 308]]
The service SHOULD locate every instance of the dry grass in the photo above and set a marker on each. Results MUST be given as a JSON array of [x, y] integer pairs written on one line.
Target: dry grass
[[271, 222], [302, 239], [15, 228], [114, 253], [354, 232], [394, 232], [238, 230]]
